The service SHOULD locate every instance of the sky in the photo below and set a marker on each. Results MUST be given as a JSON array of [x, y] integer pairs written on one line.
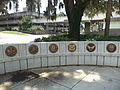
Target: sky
[[22, 4]]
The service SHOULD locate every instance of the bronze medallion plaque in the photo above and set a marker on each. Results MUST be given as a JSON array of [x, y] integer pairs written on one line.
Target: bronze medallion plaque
[[33, 49], [72, 47], [11, 51], [91, 47], [111, 47], [53, 48]]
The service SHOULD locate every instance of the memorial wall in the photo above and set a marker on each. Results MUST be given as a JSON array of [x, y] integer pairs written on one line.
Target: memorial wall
[[15, 57]]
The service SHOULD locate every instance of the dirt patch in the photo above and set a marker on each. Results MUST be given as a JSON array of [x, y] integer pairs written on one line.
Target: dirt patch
[[21, 76]]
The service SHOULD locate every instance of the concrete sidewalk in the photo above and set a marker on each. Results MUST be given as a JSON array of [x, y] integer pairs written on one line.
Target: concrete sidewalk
[[63, 78], [14, 38]]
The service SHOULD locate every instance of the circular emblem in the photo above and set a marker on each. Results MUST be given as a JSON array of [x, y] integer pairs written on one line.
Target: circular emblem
[[33, 49], [91, 47], [53, 48], [111, 47], [11, 51], [72, 47]]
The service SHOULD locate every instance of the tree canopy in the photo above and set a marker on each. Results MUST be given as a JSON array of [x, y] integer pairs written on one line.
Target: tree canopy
[[75, 9]]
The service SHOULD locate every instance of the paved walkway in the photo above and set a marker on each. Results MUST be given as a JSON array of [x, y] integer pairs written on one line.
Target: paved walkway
[[14, 38], [63, 78]]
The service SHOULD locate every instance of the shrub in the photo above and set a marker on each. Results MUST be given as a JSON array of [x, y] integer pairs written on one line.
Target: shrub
[[25, 23], [58, 37], [85, 37], [15, 28], [33, 28]]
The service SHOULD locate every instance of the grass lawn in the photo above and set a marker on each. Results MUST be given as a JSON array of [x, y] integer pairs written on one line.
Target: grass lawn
[[13, 32]]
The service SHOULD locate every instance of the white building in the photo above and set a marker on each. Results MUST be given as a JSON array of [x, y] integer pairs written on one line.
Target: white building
[[10, 20]]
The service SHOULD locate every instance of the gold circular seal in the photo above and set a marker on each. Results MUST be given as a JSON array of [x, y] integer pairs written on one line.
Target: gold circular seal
[[72, 47], [53, 48], [111, 47], [11, 51], [33, 49], [91, 47]]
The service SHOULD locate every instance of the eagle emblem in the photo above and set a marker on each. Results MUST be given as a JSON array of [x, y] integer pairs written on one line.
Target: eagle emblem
[[91, 47]]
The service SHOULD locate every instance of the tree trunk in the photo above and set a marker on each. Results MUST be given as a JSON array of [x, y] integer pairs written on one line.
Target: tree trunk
[[74, 11], [38, 6], [107, 20], [74, 26]]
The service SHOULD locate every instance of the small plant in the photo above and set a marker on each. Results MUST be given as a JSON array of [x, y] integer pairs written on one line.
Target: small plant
[[25, 23], [15, 28], [34, 28]]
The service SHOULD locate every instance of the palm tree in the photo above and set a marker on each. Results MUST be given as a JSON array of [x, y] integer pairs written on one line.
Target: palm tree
[[31, 5], [38, 7], [4, 5]]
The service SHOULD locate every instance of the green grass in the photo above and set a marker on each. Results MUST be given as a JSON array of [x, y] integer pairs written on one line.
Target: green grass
[[13, 32]]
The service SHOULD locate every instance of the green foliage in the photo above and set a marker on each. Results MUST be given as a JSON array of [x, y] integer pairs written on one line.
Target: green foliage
[[15, 28], [85, 37], [33, 28], [91, 37], [61, 14], [58, 37], [25, 23]]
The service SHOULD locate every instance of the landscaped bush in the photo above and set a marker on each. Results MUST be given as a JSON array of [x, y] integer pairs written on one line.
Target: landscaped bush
[[91, 37], [58, 37], [15, 28], [85, 37], [34, 28], [25, 23]]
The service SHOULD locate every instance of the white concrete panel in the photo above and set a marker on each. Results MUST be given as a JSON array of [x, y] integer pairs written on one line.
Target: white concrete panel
[[30, 63], [117, 48], [81, 60], [119, 62], [93, 59], [44, 48], [101, 47], [2, 71], [81, 46], [37, 62], [23, 50], [12, 66], [62, 60], [62, 50], [94, 42], [1, 51], [90, 60], [17, 54], [72, 60], [53, 61], [23, 64], [39, 49], [77, 47], [49, 46], [34, 62], [62, 47], [44, 61], [100, 60], [110, 61]]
